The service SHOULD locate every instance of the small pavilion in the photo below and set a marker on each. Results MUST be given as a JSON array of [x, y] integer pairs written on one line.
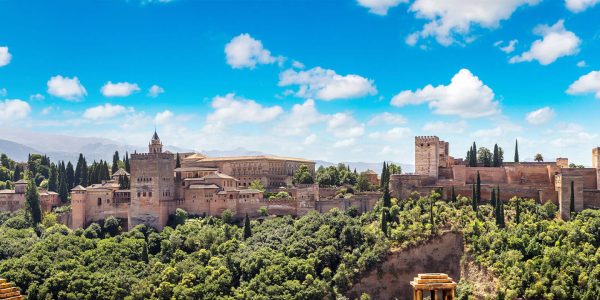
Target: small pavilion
[[435, 283]]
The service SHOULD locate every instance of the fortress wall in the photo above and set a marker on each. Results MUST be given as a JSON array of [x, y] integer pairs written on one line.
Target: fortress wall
[[12, 202], [487, 175], [459, 173], [588, 174], [445, 173], [591, 199]]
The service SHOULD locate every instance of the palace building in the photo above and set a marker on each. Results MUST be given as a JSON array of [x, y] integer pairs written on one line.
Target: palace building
[[435, 169], [201, 186]]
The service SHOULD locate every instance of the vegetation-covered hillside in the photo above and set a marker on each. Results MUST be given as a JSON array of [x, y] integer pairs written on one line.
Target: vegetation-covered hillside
[[316, 256]]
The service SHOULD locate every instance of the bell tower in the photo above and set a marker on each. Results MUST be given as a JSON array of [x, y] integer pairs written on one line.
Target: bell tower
[[155, 145]]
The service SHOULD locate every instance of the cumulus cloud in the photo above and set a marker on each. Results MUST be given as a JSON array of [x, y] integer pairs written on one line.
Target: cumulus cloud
[[243, 51], [380, 7], [3, 92], [387, 118], [310, 139], [5, 56], [540, 116], [13, 109], [581, 64], [326, 84], [466, 96], [105, 111], [155, 90], [343, 125], [232, 109], [497, 132], [163, 117], [66, 88], [451, 18], [556, 42], [577, 6], [508, 48], [395, 133], [344, 143], [119, 89], [445, 127], [37, 97], [300, 118], [586, 84], [572, 134]]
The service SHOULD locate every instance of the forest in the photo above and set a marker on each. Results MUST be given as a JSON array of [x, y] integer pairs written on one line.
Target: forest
[[317, 256]]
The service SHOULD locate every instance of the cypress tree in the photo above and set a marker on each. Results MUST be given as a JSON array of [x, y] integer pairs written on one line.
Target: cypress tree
[[473, 162], [145, 253], [115, 163], [496, 157], [502, 224], [53, 179], [516, 150], [106, 175], [17, 173], [518, 211], [70, 175], [177, 161], [493, 200], [127, 166], [63, 189], [384, 222], [572, 202], [84, 173], [247, 228], [32, 202], [497, 213], [431, 213], [474, 199], [77, 175], [387, 198], [478, 189], [453, 195], [383, 171]]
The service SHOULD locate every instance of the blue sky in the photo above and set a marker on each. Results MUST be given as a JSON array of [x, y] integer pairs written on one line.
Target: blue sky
[[333, 80]]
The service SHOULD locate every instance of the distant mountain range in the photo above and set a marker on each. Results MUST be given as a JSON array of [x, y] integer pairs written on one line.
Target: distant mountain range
[[18, 143]]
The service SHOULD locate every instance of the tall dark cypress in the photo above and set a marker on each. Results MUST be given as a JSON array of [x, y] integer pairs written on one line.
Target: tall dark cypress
[[63, 189], [384, 221], [84, 173], [496, 157], [474, 155], [478, 189], [17, 173], [516, 150], [77, 177], [177, 161], [115, 163], [126, 161], [474, 199], [453, 195], [70, 175], [572, 202], [518, 211], [431, 213], [493, 200], [53, 179], [387, 198], [247, 228], [502, 224], [106, 175], [32, 202], [383, 171]]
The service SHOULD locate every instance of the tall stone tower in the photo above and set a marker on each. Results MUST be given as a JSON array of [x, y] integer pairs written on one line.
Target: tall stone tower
[[427, 155], [152, 186], [78, 201], [596, 164]]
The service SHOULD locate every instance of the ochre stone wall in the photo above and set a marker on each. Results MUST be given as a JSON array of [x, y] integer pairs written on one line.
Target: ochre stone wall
[[390, 280], [427, 155]]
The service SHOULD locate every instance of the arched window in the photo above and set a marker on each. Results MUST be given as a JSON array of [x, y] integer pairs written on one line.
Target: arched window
[[99, 201]]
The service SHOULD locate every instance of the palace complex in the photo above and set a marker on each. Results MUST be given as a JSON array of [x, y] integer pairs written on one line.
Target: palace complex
[[435, 169], [12, 200]]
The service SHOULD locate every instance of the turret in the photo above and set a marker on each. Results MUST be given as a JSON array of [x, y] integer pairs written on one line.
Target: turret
[[427, 155], [78, 196], [155, 145]]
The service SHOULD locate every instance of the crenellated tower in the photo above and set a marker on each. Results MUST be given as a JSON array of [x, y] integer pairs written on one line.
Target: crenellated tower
[[152, 185], [427, 155]]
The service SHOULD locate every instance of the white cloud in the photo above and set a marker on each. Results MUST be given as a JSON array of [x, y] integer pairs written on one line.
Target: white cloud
[[499, 131], [163, 117], [232, 109], [243, 51], [510, 47], [450, 18], [465, 96], [3, 92], [388, 119], [380, 7], [571, 134], [155, 90], [309, 140], [344, 143], [37, 97], [395, 133], [299, 120], [119, 89], [343, 125], [387, 150], [581, 64], [326, 84], [5, 56], [66, 88], [13, 109], [445, 127], [540, 116], [298, 65], [47, 110], [105, 111], [556, 42], [586, 84], [577, 6]]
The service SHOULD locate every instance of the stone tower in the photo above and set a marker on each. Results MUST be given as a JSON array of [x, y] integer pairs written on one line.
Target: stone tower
[[427, 155], [78, 197], [596, 164], [152, 186]]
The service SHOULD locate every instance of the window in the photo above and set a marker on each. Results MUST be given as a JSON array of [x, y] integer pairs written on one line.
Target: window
[[144, 194], [99, 201], [139, 194], [149, 194]]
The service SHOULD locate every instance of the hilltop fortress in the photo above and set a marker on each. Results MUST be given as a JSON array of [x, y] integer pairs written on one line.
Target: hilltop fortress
[[435, 169]]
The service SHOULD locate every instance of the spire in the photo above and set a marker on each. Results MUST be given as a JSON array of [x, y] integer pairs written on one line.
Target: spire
[[155, 136]]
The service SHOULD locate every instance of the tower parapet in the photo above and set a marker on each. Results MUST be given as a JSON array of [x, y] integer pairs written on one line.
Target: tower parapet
[[427, 155]]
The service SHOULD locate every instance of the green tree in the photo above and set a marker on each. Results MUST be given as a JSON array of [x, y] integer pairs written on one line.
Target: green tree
[[70, 176], [115, 163], [247, 228], [257, 185], [493, 199], [478, 189], [32, 202], [53, 180], [177, 161], [387, 198], [496, 157], [362, 184], [484, 157], [392, 169], [303, 176], [474, 199], [431, 203], [384, 222], [518, 210], [180, 216], [516, 150], [538, 157], [63, 189], [112, 226], [382, 180], [453, 195]]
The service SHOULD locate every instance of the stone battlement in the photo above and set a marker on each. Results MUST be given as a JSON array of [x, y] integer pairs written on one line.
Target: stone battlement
[[145, 156], [426, 138]]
